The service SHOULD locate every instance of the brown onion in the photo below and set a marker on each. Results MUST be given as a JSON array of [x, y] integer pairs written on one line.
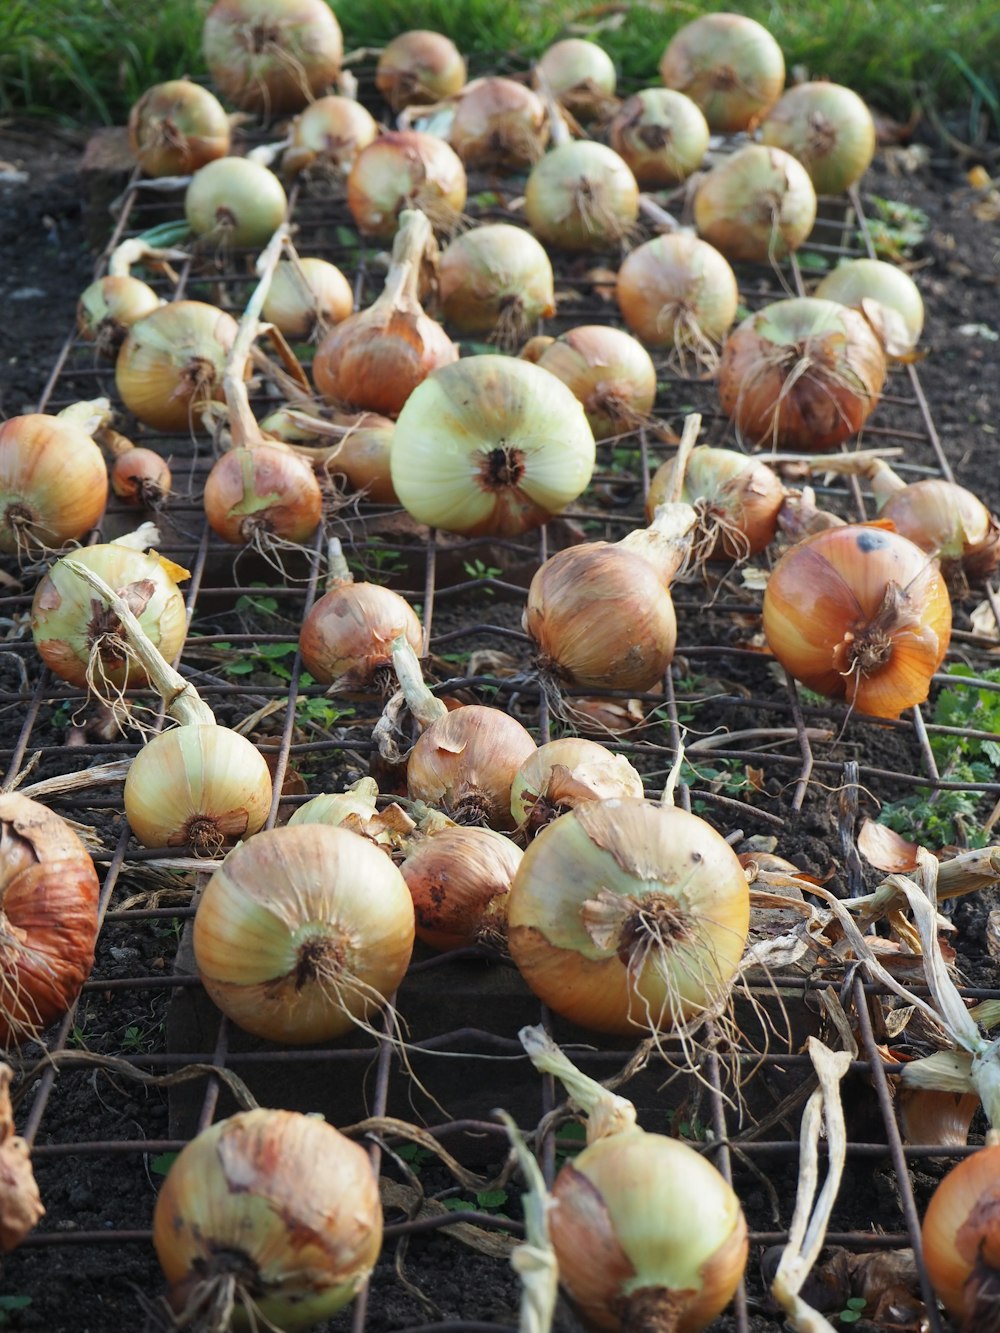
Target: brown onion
[[581, 196], [330, 132], [757, 205], [609, 372], [418, 68], [176, 127], [661, 134], [459, 879], [828, 128], [561, 774], [465, 763], [737, 500], [499, 124], [496, 279], [364, 458], [406, 169], [942, 518], [272, 55], [261, 494], [306, 297], [960, 1244], [729, 65], [139, 477], [580, 75], [109, 307]]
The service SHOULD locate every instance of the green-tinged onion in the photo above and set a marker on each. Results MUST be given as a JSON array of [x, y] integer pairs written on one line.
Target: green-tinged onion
[[828, 128], [887, 297], [496, 279], [234, 201], [728, 64], [272, 55], [581, 196], [565, 772], [757, 205], [661, 134]]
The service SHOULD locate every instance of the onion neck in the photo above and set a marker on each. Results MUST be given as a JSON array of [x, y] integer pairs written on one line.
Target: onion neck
[[337, 573], [606, 1112], [413, 247], [424, 706], [89, 416], [242, 422], [884, 481], [665, 544]]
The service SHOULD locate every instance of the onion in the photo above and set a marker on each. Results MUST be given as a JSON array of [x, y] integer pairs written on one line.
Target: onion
[[139, 477], [306, 297], [330, 133], [401, 170], [490, 445], [176, 127], [858, 612], [109, 307], [828, 128], [757, 205], [303, 932], [53, 482], [459, 879], [171, 363], [364, 458], [609, 372], [661, 135], [418, 68], [561, 774], [887, 297], [272, 55], [235, 201], [263, 495], [737, 500], [271, 1214], [729, 65], [960, 1245], [626, 917], [580, 74], [581, 196], [678, 292], [499, 124], [48, 918], [496, 279], [801, 374], [377, 357]]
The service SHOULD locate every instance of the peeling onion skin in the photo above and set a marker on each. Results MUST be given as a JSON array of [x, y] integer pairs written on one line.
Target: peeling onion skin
[[729, 65], [859, 613], [330, 132], [282, 1199], [756, 206], [738, 499], [887, 297], [306, 47], [406, 169], [563, 773], [949, 522]]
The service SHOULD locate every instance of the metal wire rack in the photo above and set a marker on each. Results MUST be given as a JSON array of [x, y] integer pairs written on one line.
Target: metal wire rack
[[464, 1009]]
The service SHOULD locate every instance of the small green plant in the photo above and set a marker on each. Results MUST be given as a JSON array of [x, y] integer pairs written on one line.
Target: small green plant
[[476, 569], [853, 1309], [318, 710], [486, 1201], [378, 561], [896, 229], [263, 606], [268, 657], [9, 1304], [571, 1139], [162, 1163]]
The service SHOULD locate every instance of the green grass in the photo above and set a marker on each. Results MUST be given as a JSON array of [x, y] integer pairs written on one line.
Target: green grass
[[86, 61]]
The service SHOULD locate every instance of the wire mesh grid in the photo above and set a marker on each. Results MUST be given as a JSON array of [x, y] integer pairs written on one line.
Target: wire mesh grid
[[463, 1010]]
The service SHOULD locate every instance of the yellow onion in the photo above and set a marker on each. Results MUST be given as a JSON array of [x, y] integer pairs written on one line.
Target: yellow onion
[[728, 64], [801, 374], [329, 133], [465, 763], [678, 292], [262, 493], [580, 75], [861, 613], [757, 205], [581, 196], [459, 879], [960, 1244], [364, 458], [418, 68], [610, 373], [109, 307], [940, 517], [490, 445], [53, 482], [496, 279], [406, 169], [171, 363], [564, 772], [499, 124], [140, 477], [887, 297], [176, 127], [306, 297], [235, 201], [272, 55], [628, 917], [828, 128], [661, 134], [273, 1214], [82, 642], [303, 932]]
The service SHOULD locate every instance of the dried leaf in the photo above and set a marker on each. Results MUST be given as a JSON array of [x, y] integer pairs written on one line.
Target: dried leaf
[[20, 1203], [897, 1019], [993, 933], [886, 850]]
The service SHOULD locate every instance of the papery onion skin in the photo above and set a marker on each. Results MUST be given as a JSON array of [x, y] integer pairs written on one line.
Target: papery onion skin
[[307, 297], [636, 1217], [580, 74], [176, 127], [756, 206], [364, 458], [499, 124], [418, 68], [466, 762], [53, 482], [581, 196], [67, 621], [264, 490], [198, 786], [960, 1244], [109, 307], [949, 522], [347, 636], [564, 772], [141, 477], [828, 128], [861, 613], [605, 882], [611, 374], [272, 55], [491, 445], [738, 499], [493, 278], [678, 291], [279, 1199], [459, 879], [887, 297], [801, 374], [662, 136], [48, 917], [406, 169], [235, 200], [729, 65], [303, 931], [330, 132]]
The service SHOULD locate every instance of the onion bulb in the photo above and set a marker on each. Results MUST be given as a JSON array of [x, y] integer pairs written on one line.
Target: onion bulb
[[490, 445], [580, 75], [271, 1214], [303, 932], [496, 279], [564, 772], [828, 128], [859, 613], [48, 918], [801, 374], [610, 373], [262, 494], [406, 169], [235, 201], [499, 125], [176, 127], [329, 133], [140, 477], [171, 364], [661, 135], [364, 457], [756, 206], [53, 482], [887, 297], [272, 55], [678, 292], [729, 65], [306, 297], [628, 917], [960, 1244], [459, 879], [581, 196], [418, 68], [109, 307]]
